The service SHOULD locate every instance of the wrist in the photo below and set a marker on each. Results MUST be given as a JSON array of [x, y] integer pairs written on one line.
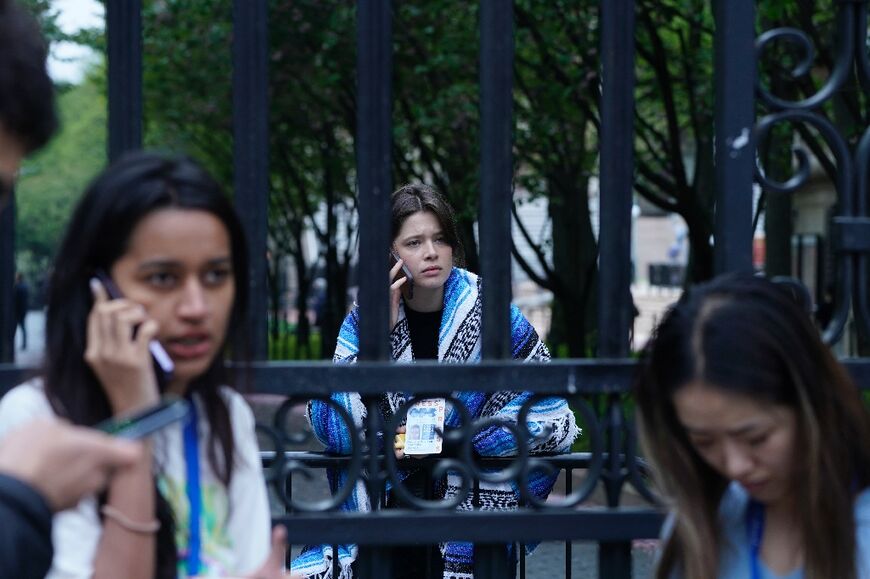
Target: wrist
[[126, 405]]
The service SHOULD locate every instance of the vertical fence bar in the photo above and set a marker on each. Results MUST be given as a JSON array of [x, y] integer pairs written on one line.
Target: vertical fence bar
[[373, 157], [288, 488], [374, 562], [614, 241], [124, 55], [251, 153], [374, 164], [491, 560], [7, 280], [496, 172], [521, 547], [614, 558], [616, 182], [569, 548], [735, 70]]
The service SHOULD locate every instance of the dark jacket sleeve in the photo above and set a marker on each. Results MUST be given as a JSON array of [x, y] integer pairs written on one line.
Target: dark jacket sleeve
[[25, 537]]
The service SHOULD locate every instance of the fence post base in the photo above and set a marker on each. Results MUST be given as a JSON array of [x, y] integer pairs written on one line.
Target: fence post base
[[375, 562], [614, 560], [491, 561]]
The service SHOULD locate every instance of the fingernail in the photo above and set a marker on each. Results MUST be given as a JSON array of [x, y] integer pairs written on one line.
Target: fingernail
[[95, 285]]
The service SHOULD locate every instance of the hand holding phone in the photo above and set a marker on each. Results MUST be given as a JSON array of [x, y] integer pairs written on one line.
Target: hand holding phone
[[394, 259], [163, 363], [118, 351], [396, 283]]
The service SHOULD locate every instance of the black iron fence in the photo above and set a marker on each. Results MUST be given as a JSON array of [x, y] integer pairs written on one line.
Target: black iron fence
[[588, 464], [612, 461]]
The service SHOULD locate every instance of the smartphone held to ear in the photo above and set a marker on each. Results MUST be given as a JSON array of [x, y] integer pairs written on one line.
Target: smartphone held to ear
[[394, 259], [162, 362]]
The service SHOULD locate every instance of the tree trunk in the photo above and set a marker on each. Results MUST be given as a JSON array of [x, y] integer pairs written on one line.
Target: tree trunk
[[778, 220], [333, 306], [574, 263], [303, 288], [336, 305], [700, 200], [700, 266], [469, 244], [778, 228], [273, 271], [303, 325]]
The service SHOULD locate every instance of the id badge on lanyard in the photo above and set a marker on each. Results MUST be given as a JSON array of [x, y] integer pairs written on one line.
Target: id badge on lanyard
[[192, 562], [424, 423]]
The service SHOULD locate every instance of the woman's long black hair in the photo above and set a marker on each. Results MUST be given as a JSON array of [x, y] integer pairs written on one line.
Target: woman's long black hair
[[96, 237], [750, 336]]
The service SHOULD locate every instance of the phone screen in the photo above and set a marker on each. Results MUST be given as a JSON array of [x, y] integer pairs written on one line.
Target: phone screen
[[170, 410]]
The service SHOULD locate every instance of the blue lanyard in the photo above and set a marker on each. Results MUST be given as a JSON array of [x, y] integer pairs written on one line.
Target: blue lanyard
[[755, 533], [194, 496]]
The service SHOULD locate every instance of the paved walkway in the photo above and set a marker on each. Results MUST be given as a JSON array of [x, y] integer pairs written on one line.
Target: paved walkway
[[35, 323]]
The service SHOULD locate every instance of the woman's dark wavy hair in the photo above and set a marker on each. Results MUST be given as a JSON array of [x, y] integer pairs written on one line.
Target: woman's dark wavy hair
[[416, 197], [96, 237], [748, 335]]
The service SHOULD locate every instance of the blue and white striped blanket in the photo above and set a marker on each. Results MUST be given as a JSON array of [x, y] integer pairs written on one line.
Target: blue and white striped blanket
[[458, 342]]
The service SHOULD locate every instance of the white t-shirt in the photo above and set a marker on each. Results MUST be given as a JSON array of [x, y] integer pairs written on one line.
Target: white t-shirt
[[235, 525]]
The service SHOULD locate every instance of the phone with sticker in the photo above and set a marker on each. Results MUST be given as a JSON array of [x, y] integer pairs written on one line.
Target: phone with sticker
[[162, 362], [394, 259], [168, 411]]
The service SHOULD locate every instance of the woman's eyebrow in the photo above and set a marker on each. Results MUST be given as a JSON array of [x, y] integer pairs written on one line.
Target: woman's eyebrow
[[220, 261], [746, 429], [740, 430], [169, 263], [158, 263], [413, 235]]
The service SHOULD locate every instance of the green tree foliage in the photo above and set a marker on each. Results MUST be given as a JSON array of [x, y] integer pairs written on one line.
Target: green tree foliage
[[313, 116], [674, 118], [188, 107], [188, 67], [555, 98], [435, 105], [52, 180]]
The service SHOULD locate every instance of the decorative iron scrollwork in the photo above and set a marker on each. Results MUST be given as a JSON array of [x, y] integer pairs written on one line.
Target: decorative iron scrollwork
[[370, 460], [851, 54]]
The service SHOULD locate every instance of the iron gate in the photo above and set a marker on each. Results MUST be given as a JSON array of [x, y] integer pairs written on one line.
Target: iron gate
[[612, 460]]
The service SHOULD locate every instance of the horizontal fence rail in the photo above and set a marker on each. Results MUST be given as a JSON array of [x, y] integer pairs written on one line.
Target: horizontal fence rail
[[602, 524], [559, 376]]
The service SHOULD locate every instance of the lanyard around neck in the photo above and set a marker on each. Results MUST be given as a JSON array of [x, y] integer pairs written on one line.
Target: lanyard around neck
[[194, 495], [755, 534]]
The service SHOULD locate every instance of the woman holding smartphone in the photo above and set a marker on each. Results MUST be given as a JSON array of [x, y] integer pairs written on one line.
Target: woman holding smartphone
[[168, 238], [439, 319], [760, 440]]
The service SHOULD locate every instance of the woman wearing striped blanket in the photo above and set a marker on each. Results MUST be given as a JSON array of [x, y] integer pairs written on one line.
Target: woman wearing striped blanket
[[438, 318]]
